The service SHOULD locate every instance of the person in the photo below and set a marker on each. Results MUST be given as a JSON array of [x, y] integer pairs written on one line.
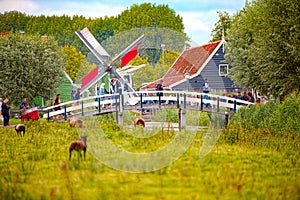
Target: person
[[57, 102], [205, 86], [126, 86], [159, 87], [76, 97], [77, 94], [102, 90], [239, 96], [24, 105], [245, 96], [251, 97], [1, 117], [257, 102], [112, 86], [5, 112]]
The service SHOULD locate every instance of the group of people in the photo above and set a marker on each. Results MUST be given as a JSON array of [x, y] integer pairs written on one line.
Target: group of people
[[245, 97], [5, 110]]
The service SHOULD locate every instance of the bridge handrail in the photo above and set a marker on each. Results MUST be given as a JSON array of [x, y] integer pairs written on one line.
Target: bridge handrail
[[139, 97], [78, 101]]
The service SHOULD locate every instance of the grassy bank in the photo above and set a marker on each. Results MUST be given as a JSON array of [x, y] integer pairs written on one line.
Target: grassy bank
[[37, 167]]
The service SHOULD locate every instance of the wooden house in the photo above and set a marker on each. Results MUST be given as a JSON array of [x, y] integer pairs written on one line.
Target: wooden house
[[196, 64], [65, 89]]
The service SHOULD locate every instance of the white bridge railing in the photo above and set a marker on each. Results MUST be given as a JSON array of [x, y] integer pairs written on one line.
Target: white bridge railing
[[147, 99]]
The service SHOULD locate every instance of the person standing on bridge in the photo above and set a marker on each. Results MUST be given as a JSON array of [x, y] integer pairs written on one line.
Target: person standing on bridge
[[159, 87], [113, 88], [57, 102], [205, 86]]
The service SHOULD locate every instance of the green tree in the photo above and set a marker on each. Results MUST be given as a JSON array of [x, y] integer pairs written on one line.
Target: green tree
[[74, 60], [221, 26], [31, 66], [263, 46]]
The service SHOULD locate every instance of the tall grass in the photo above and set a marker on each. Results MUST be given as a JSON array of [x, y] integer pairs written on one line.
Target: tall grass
[[271, 120]]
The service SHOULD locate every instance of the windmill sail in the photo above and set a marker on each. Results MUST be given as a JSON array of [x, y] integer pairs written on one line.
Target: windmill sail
[[96, 74], [90, 41]]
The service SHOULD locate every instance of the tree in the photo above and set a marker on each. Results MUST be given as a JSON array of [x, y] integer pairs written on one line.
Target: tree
[[74, 60], [221, 26], [31, 66], [263, 47]]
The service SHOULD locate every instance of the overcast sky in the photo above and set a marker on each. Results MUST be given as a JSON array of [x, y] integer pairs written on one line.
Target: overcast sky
[[199, 16]]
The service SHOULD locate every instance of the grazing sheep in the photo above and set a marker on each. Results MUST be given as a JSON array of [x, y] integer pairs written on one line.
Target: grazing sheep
[[76, 121], [20, 129], [78, 145], [139, 121]]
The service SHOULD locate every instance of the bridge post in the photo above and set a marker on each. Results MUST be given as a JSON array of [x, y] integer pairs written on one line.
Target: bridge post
[[178, 101], [99, 105], [141, 99], [181, 119], [119, 108], [48, 115], [226, 119], [201, 106], [218, 104], [159, 101], [184, 100], [82, 108], [234, 105], [65, 112]]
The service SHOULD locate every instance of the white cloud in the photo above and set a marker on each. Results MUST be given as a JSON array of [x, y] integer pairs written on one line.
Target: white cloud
[[198, 25], [20, 5]]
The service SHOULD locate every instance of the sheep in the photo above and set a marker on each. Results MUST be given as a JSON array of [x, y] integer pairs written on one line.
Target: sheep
[[78, 145], [76, 121], [139, 121], [20, 129]]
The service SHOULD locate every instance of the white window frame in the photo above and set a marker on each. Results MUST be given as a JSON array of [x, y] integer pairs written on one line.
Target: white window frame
[[221, 73]]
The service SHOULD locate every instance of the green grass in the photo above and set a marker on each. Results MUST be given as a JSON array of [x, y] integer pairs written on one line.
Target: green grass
[[37, 167]]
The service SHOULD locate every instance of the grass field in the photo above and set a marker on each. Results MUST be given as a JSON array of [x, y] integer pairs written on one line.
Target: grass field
[[37, 167]]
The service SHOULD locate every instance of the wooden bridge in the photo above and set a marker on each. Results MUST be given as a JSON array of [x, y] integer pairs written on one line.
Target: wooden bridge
[[146, 100]]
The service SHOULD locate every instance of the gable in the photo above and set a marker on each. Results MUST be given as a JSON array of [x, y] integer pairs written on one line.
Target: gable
[[191, 61]]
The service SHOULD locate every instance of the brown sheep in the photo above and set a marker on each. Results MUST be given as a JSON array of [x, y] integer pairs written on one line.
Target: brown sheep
[[78, 145], [139, 121], [76, 121], [20, 129]]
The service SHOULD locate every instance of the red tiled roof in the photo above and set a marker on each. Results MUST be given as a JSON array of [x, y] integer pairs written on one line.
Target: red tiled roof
[[191, 61]]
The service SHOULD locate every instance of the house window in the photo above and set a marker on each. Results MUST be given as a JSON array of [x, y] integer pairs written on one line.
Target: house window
[[223, 69]]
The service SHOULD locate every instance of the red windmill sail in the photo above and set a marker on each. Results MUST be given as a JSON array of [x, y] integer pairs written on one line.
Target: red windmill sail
[[129, 56]]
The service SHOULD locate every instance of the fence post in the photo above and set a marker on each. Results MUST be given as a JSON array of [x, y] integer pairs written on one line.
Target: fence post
[[48, 115], [234, 105], [141, 100], [184, 100], [201, 107], [218, 104], [99, 105], [119, 108], [181, 119], [178, 101], [82, 108], [65, 111], [159, 103], [226, 119]]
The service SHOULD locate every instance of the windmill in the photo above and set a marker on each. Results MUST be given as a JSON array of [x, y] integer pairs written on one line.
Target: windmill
[[100, 53]]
